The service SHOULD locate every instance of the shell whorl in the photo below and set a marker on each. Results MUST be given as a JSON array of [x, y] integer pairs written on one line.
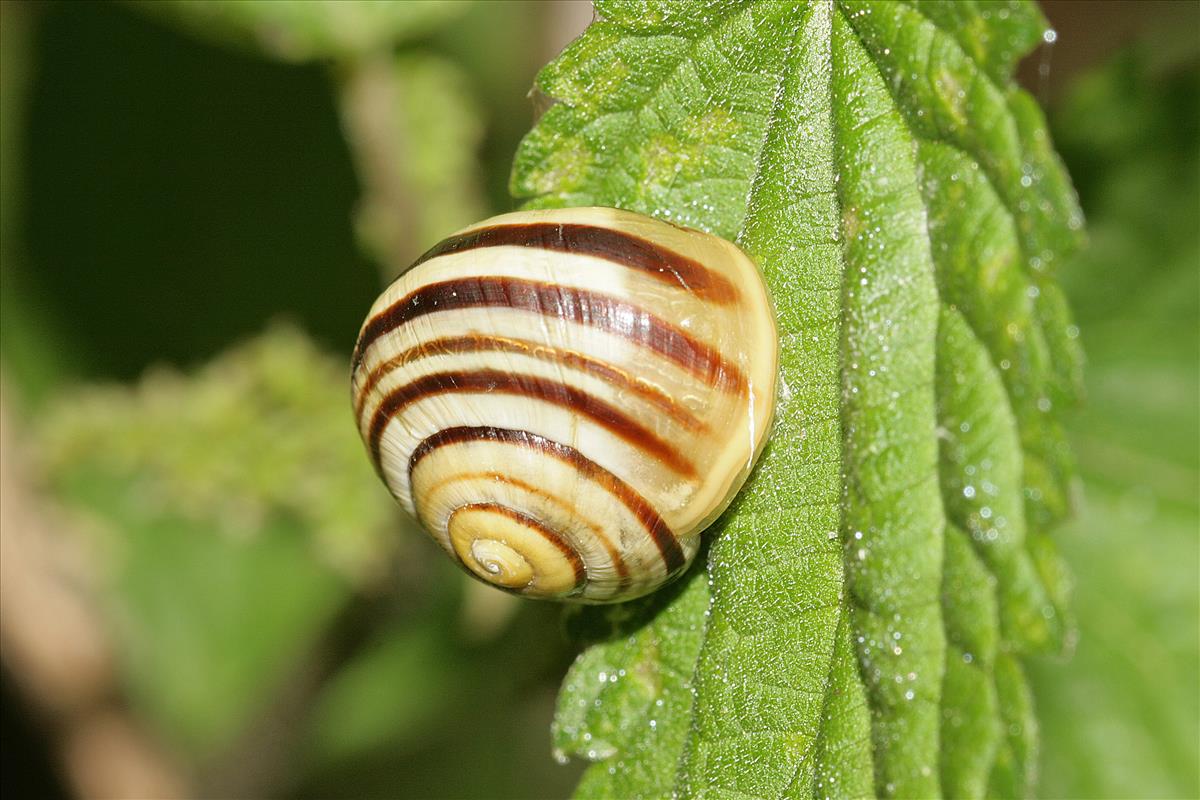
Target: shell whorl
[[564, 399]]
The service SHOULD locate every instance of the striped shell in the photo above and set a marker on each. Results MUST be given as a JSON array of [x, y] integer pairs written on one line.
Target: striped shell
[[565, 399]]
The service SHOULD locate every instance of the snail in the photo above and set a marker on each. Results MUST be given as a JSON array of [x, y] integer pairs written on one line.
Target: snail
[[565, 399]]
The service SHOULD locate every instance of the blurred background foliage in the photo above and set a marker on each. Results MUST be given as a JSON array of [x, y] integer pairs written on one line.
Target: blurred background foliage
[[1122, 717], [200, 200]]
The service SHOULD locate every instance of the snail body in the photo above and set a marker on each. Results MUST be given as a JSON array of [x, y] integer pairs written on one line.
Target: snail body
[[565, 399]]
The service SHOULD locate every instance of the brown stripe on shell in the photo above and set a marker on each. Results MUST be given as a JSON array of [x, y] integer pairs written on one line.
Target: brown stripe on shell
[[618, 378], [581, 306], [546, 532], [492, 381], [571, 510], [610, 244], [662, 536]]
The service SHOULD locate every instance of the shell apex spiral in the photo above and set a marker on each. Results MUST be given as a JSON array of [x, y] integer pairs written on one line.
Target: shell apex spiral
[[564, 399]]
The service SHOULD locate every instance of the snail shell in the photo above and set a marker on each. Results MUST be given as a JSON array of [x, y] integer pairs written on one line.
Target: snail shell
[[565, 399]]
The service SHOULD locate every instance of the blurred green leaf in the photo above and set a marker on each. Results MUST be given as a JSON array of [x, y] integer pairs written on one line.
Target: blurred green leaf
[[414, 129], [209, 627], [420, 702], [1122, 719], [299, 30], [1015, 772], [393, 689], [496, 44], [236, 510], [441, 129], [875, 159], [260, 433]]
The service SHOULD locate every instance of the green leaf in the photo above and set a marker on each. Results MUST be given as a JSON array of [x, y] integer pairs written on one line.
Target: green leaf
[[389, 695], [996, 34], [300, 30], [645, 677], [971, 726], [1015, 771], [413, 128], [229, 541], [981, 481], [838, 144]]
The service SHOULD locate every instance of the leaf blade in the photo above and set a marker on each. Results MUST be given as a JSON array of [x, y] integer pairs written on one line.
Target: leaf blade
[[781, 124]]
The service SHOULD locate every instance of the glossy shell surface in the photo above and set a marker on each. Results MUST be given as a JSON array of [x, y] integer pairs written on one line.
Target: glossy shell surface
[[565, 399]]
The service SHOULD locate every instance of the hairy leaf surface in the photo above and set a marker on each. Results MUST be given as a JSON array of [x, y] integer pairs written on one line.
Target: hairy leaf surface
[[870, 592]]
